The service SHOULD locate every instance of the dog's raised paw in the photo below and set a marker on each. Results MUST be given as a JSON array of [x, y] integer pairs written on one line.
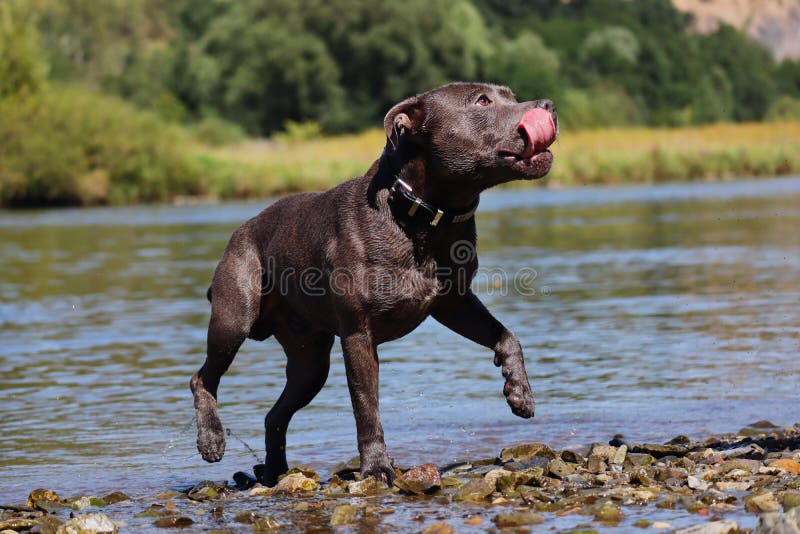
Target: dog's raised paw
[[520, 399]]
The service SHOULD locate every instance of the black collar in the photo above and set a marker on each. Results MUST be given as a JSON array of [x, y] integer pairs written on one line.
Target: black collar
[[406, 205]]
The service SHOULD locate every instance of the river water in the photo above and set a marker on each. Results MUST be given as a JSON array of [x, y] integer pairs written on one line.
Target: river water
[[645, 311]]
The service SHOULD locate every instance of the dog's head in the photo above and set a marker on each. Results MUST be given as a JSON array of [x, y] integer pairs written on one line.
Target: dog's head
[[473, 135]]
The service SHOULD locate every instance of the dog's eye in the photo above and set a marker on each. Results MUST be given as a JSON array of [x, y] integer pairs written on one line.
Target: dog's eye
[[483, 100]]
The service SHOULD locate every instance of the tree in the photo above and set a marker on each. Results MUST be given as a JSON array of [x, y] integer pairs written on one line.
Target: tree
[[22, 64]]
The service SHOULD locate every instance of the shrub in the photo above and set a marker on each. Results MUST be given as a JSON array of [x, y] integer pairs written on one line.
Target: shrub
[[69, 145]]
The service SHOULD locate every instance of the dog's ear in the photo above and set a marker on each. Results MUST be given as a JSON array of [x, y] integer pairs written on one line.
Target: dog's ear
[[405, 117]]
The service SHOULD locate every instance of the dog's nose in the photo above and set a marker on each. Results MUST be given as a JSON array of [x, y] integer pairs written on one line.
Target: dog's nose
[[546, 104]]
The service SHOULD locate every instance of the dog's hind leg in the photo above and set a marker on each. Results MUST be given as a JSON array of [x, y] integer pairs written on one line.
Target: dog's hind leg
[[308, 362], [234, 309]]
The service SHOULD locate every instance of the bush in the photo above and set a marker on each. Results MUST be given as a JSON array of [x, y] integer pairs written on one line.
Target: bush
[[216, 132], [784, 108], [73, 146]]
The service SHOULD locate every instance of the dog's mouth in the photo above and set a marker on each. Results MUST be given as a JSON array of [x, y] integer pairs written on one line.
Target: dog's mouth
[[538, 130]]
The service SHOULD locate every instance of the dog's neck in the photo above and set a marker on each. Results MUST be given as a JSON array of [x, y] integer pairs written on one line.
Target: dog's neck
[[414, 170]]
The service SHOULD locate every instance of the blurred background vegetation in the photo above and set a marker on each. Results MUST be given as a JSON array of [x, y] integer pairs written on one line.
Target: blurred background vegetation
[[144, 100]]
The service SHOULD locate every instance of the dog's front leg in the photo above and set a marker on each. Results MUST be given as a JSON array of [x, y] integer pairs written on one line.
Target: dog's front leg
[[361, 364], [466, 315]]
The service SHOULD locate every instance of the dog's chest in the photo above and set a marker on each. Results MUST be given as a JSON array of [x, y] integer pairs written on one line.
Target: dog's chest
[[399, 299]]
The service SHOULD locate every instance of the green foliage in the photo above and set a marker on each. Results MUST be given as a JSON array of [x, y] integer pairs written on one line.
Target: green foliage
[[216, 132], [602, 105], [784, 108], [22, 66], [68, 145], [295, 132], [527, 66]]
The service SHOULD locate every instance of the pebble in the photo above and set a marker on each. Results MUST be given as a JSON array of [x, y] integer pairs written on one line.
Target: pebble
[[713, 527], [474, 491], [95, 523], [421, 479], [344, 514], [295, 482]]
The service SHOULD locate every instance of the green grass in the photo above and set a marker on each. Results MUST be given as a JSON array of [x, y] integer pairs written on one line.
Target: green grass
[[71, 146]]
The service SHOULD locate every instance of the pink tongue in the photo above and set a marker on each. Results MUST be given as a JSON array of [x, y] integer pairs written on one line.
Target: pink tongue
[[540, 129]]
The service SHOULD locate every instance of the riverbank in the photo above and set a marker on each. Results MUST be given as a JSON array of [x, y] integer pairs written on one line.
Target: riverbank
[[719, 484], [83, 149]]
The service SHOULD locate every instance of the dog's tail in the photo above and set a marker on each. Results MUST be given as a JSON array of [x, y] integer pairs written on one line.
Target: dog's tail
[[208, 294]]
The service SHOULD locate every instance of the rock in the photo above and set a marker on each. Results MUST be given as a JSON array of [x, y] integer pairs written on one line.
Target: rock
[[115, 497], [571, 457], [476, 490], [697, 483], [494, 474], [439, 528], [639, 459], [41, 495], [714, 527], [296, 482], [421, 479], [619, 455], [763, 424], [660, 451], [18, 524], [474, 521], [788, 523], [87, 501], [791, 500], [203, 491], [596, 464], [765, 502], [368, 486], [265, 523], [558, 468], [751, 466], [606, 452], [608, 512], [353, 465], [521, 453], [344, 514], [786, 465], [95, 523], [305, 471], [517, 519], [174, 522], [733, 486], [261, 491], [642, 523]]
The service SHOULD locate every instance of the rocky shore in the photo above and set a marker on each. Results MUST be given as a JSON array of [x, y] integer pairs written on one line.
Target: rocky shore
[[742, 482]]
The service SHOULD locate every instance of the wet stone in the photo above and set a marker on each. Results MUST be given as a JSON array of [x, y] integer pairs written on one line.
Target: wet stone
[[558, 468], [517, 519], [476, 490], [639, 459], [41, 495], [115, 497], [263, 524], [87, 501], [660, 451], [525, 452], [95, 523], [439, 528], [786, 464], [764, 502], [353, 465], [714, 527], [608, 512], [368, 486], [296, 482], [596, 464], [344, 514], [571, 457], [791, 500], [174, 522], [18, 524], [788, 523], [419, 480]]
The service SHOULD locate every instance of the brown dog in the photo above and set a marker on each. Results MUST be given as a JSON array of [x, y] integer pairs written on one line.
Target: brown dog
[[370, 259]]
